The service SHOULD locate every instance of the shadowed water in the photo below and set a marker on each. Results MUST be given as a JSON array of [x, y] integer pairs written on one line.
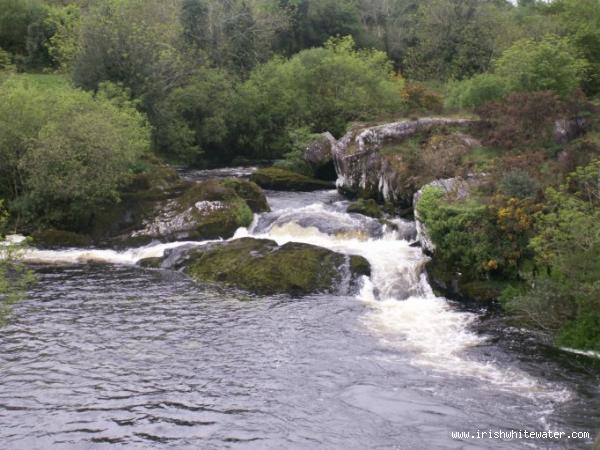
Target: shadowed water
[[114, 356]]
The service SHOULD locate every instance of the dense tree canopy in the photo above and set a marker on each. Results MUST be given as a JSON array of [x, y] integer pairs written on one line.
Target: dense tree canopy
[[64, 151]]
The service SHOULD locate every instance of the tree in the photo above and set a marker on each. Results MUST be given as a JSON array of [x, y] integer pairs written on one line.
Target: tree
[[581, 22], [313, 22], [321, 88], [64, 151], [15, 18], [551, 64], [454, 39]]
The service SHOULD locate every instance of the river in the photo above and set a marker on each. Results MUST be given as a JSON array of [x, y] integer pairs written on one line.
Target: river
[[104, 354]]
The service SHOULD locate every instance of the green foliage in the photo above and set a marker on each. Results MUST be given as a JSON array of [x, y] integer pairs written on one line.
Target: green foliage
[[315, 22], [63, 44], [5, 60], [322, 89], [294, 159], [519, 184], [15, 18], [580, 20], [64, 152], [476, 239], [454, 39], [460, 230], [567, 248], [476, 91], [192, 120], [550, 64]]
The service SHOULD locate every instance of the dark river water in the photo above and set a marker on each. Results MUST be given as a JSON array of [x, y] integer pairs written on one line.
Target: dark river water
[[104, 354]]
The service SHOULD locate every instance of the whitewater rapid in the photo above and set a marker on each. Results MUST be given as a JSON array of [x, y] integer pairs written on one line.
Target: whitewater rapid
[[403, 312]]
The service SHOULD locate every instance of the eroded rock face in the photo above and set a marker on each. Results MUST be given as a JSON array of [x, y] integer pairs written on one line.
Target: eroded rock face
[[566, 130], [365, 170], [319, 155], [262, 267]]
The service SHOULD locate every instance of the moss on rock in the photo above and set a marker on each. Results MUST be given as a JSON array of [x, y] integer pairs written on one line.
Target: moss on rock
[[262, 267], [285, 180], [150, 263], [366, 207], [250, 192]]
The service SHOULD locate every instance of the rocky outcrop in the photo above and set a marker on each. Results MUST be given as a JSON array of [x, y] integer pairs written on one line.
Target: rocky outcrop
[[319, 156], [208, 210], [566, 130], [262, 267], [366, 207], [366, 169], [284, 180]]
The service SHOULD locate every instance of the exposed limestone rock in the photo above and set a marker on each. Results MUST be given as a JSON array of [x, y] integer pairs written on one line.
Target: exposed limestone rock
[[566, 130], [319, 156], [207, 210], [365, 170]]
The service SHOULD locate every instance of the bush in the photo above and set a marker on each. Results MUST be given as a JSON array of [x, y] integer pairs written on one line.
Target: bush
[[523, 119], [551, 64], [63, 152], [321, 88], [564, 295], [419, 98], [519, 184], [476, 239], [476, 91]]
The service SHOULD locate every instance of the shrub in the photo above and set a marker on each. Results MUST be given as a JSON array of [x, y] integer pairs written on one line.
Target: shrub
[[519, 184], [522, 119], [564, 294], [476, 91], [419, 98], [476, 239]]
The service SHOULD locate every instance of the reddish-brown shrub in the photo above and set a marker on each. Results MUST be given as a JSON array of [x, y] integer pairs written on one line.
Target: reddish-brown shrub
[[523, 119]]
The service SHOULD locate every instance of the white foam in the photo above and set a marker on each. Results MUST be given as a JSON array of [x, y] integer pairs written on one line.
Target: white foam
[[590, 353], [78, 256], [405, 313]]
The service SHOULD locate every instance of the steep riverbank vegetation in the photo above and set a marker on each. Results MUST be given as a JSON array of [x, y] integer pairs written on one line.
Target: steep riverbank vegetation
[[95, 93]]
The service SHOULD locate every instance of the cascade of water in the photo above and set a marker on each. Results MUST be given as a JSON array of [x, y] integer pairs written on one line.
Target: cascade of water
[[403, 310]]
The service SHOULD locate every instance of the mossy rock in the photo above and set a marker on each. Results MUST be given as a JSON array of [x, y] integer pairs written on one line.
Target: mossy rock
[[250, 192], [150, 263], [211, 209], [207, 210], [462, 286], [284, 180], [52, 238], [262, 267], [359, 266], [368, 207]]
